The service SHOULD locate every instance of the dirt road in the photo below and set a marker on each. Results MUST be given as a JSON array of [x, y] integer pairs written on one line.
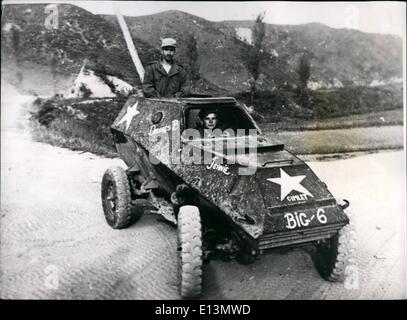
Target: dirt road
[[55, 243]]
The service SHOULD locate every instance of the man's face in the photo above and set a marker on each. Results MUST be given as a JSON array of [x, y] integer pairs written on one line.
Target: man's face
[[168, 54], [210, 121]]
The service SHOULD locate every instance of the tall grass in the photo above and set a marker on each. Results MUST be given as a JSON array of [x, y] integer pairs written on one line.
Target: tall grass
[[374, 119], [70, 124], [341, 140], [285, 105]]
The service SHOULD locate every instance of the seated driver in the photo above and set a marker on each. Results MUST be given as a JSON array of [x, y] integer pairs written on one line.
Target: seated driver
[[209, 121]]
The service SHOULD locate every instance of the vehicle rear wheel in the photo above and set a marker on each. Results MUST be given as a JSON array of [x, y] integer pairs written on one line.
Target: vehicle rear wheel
[[335, 254], [189, 252], [116, 198]]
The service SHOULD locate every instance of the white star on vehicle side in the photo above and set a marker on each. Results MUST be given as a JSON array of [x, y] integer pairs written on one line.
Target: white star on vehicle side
[[289, 183], [128, 117]]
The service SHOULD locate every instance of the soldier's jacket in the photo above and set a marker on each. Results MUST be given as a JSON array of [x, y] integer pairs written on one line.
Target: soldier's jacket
[[157, 83]]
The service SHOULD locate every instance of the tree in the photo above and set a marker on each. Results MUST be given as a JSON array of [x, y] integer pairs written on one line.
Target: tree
[[16, 42], [192, 55], [304, 70], [304, 73], [15, 39], [53, 66], [256, 53]]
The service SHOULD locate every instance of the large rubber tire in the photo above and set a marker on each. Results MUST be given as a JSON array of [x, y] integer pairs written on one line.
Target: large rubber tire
[[335, 254], [189, 252], [116, 198]]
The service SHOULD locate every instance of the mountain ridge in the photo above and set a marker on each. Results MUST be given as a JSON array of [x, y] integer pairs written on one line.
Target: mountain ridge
[[339, 57]]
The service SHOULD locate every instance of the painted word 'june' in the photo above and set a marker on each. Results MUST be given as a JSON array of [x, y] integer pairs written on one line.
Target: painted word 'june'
[[219, 167]]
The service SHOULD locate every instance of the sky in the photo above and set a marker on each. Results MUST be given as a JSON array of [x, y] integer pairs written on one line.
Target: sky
[[375, 16]]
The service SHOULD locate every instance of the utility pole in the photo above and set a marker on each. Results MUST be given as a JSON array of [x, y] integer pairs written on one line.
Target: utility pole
[[129, 43]]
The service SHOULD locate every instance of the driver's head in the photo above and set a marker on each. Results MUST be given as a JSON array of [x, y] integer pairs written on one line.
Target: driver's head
[[209, 119], [168, 46]]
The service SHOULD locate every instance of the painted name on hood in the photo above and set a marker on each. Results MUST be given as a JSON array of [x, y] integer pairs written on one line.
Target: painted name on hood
[[218, 166], [154, 130], [297, 197]]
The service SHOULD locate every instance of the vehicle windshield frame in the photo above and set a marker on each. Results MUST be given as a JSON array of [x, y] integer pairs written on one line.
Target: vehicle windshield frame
[[210, 105]]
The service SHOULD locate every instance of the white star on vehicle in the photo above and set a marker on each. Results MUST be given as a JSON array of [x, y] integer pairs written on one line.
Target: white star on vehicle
[[128, 117], [289, 183]]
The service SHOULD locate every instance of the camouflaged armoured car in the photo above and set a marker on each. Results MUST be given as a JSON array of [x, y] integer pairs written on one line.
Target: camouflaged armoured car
[[234, 195]]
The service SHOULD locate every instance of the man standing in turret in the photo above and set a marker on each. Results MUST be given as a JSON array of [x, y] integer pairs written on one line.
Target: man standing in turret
[[166, 77]]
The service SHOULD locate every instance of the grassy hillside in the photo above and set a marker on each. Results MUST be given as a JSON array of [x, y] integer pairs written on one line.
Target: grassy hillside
[[218, 53], [80, 36], [338, 56], [349, 56], [283, 105]]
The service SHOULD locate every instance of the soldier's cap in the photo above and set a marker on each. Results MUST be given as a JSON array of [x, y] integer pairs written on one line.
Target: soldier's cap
[[168, 42]]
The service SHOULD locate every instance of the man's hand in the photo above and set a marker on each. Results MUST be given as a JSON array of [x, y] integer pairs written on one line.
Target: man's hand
[[140, 94], [137, 92]]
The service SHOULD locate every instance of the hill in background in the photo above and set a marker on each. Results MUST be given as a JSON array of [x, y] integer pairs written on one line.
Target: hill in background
[[340, 58], [80, 37]]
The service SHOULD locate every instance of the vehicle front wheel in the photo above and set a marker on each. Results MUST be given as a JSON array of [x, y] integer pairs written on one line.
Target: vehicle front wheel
[[116, 198], [335, 254], [189, 252]]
